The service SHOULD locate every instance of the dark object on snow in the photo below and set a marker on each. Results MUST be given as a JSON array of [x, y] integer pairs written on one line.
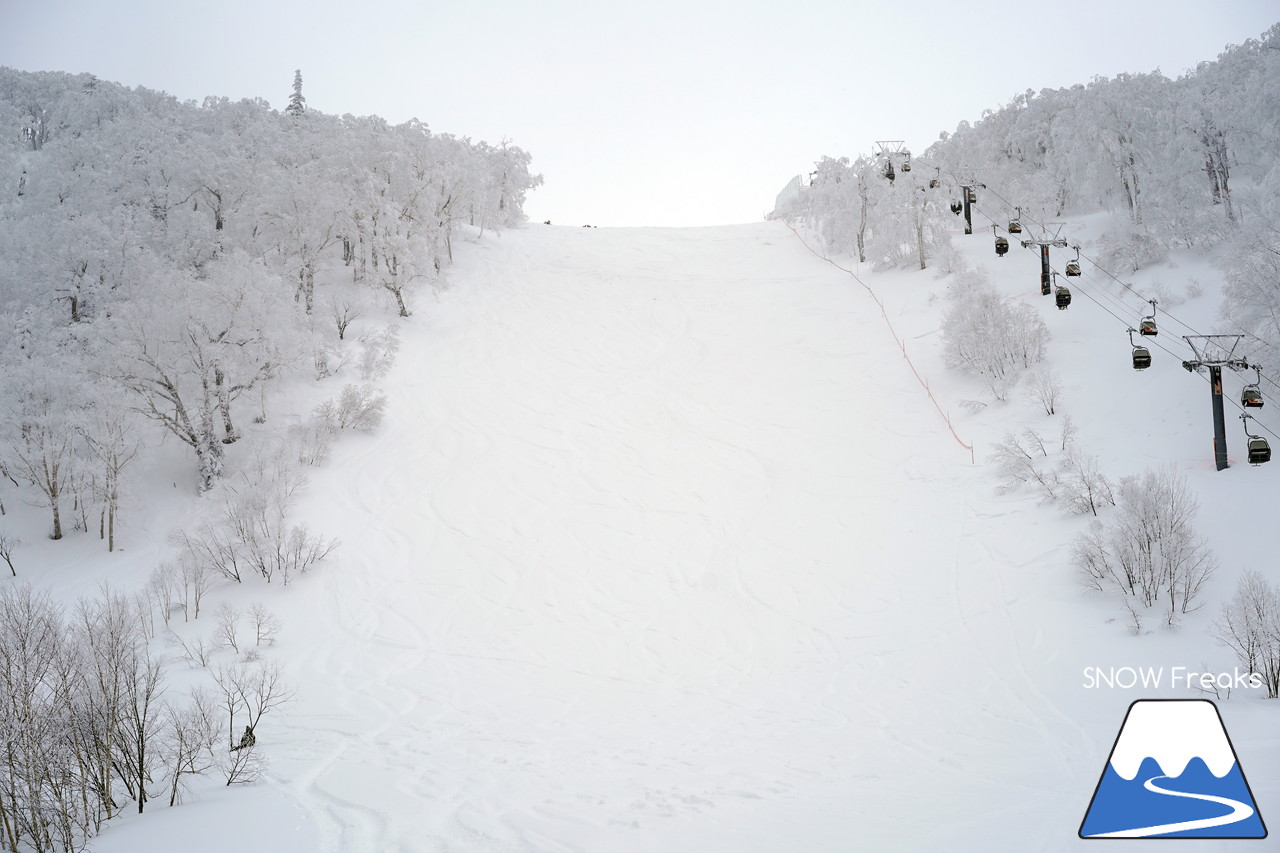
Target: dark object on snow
[[247, 739]]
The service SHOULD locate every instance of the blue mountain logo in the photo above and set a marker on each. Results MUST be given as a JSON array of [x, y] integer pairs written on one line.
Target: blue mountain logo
[[1172, 773]]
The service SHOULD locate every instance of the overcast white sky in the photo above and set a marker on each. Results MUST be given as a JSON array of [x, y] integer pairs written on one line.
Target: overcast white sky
[[650, 112]]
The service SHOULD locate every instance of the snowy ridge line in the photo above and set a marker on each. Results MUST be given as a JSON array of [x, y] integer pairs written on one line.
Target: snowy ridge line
[[924, 383]]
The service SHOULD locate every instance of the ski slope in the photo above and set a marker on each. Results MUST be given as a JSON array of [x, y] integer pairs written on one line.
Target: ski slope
[[663, 548]]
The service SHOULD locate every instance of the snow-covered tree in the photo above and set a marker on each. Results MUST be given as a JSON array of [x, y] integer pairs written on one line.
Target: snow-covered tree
[[992, 336], [189, 359], [38, 434], [112, 439], [1150, 553], [1249, 624], [297, 103]]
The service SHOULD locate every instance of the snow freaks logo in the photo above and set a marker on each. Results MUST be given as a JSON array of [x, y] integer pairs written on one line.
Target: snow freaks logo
[[1172, 773], [1155, 677]]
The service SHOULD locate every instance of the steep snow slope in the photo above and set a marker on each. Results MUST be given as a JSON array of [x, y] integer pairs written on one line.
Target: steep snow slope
[[662, 548]]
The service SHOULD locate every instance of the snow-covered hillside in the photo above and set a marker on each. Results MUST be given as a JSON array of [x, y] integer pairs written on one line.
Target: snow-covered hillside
[[662, 547]]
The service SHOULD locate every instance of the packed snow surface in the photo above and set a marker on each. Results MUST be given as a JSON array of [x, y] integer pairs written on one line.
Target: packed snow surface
[[663, 548]]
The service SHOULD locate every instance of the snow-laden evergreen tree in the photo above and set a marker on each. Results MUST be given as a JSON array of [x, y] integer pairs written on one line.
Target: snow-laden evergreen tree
[[297, 103]]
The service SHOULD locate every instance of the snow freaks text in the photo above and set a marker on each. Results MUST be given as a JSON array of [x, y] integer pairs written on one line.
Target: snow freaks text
[[1156, 677]]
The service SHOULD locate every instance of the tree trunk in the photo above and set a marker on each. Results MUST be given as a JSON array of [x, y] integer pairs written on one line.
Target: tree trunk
[[142, 771], [307, 285], [862, 222], [223, 394], [208, 448], [920, 234], [398, 292], [7, 833], [57, 515]]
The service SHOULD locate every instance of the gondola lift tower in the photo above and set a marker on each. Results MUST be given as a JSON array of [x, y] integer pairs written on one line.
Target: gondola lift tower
[[1214, 352], [1049, 237]]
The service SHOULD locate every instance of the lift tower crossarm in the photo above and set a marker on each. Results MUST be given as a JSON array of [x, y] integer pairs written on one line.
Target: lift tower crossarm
[[1046, 240], [891, 146]]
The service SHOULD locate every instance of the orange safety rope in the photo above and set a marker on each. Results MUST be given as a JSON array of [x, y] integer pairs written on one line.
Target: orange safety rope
[[924, 383]]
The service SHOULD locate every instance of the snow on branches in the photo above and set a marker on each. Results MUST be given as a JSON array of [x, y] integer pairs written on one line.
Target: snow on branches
[[175, 250], [991, 335], [1149, 554]]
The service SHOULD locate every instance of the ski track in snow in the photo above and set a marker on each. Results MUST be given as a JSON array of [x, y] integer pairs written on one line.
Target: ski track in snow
[[634, 565], [1239, 811]]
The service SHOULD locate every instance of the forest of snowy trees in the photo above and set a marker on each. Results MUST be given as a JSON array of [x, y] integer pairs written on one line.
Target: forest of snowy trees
[[166, 269], [1191, 163], [169, 251]]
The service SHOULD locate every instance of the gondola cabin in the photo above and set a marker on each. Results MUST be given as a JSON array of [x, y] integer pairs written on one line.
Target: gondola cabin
[[1002, 247], [1015, 227], [1073, 268], [906, 165], [1141, 358], [956, 207], [1147, 327], [973, 197], [1251, 397], [1062, 296], [934, 184], [1259, 451]]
